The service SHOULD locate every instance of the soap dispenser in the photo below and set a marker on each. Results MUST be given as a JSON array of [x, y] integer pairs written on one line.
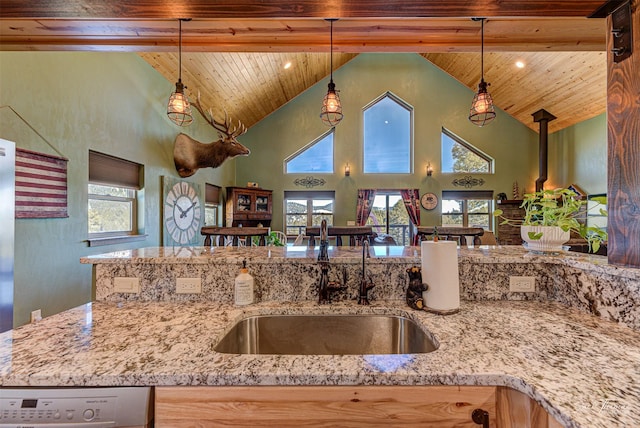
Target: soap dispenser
[[243, 291]]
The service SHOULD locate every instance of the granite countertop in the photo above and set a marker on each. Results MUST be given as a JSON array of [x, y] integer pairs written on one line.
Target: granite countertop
[[380, 254], [583, 370]]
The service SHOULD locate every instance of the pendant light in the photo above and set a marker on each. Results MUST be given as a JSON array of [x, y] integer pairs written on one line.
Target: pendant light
[[331, 113], [482, 110], [179, 108]]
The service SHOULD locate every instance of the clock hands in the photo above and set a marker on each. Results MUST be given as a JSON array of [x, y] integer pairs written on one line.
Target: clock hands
[[183, 213]]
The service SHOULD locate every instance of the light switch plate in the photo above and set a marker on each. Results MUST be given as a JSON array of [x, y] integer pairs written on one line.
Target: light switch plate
[[126, 285], [188, 285], [522, 284]]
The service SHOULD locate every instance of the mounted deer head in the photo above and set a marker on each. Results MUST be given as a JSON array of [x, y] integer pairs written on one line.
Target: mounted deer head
[[190, 155]]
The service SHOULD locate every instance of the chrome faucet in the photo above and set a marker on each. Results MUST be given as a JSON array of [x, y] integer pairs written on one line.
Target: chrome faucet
[[365, 286]]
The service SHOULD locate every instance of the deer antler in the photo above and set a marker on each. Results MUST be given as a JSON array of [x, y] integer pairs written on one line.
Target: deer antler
[[222, 128]]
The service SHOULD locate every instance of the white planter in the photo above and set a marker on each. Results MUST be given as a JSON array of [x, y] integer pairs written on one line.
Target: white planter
[[552, 238]]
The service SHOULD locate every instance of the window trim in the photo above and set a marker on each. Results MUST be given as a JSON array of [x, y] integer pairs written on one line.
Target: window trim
[[407, 106], [469, 147], [111, 240]]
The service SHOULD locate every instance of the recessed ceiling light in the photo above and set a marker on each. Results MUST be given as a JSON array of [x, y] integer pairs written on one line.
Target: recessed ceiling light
[[287, 65], [520, 64]]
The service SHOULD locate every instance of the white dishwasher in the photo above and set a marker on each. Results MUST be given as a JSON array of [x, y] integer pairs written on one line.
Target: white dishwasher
[[86, 407]]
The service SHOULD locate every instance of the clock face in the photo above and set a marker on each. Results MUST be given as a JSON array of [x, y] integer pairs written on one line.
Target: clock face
[[182, 213], [429, 201]]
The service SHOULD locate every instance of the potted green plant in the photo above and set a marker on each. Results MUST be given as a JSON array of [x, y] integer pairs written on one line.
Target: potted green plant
[[271, 239], [551, 215]]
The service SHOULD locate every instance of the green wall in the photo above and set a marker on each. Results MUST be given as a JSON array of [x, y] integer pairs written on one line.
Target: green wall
[[438, 101], [578, 155], [113, 103]]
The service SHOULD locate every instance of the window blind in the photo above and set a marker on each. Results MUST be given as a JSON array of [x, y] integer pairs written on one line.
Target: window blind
[[467, 194], [110, 170], [212, 194]]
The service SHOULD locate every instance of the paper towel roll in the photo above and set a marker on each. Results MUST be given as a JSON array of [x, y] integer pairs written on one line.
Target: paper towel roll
[[440, 272]]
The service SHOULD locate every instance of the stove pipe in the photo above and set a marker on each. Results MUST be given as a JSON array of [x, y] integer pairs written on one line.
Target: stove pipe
[[544, 117]]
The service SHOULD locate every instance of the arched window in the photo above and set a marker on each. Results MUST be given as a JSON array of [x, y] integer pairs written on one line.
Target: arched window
[[388, 134]]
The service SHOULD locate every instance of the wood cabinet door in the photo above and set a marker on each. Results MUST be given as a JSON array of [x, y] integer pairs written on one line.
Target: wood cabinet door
[[243, 202], [343, 406], [263, 203]]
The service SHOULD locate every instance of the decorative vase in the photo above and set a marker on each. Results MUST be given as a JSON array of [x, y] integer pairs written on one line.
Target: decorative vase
[[551, 240]]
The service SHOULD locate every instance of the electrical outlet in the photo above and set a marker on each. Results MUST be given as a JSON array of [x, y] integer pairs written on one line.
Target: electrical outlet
[[188, 285], [522, 284], [36, 315], [126, 285]]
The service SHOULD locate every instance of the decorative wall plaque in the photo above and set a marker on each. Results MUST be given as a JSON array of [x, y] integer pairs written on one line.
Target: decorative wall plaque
[[468, 181], [309, 182]]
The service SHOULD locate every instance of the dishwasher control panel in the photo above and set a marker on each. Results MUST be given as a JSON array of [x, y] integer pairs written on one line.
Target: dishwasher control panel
[[75, 407]]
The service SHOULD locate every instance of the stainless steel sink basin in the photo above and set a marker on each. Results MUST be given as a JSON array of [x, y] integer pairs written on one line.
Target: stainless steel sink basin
[[326, 335]]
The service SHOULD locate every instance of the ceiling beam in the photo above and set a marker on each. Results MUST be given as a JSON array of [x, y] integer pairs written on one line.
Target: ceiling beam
[[224, 9], [304, 35]]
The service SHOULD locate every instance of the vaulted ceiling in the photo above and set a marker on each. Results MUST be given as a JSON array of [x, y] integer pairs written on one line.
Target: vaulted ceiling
[[234, 51]]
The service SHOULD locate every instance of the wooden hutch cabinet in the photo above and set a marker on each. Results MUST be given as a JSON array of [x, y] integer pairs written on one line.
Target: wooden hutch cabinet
[[248, 206]]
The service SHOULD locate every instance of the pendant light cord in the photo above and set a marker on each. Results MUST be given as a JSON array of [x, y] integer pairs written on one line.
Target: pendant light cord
[[482, 48], [180, 52], [331, 52]]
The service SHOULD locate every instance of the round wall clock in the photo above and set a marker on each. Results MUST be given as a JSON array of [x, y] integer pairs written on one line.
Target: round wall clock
[[182, 213], [429, 201]]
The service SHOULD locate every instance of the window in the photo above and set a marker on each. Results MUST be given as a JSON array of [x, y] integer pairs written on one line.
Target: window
[[460, 156], [316, 157], [111, 210], [467, 209], [387, 136], [113, 193], [389, 216], [211, 204], [307, 208]]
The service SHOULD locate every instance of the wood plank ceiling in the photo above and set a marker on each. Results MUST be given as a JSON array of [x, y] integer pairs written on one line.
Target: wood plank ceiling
[[237, 62]]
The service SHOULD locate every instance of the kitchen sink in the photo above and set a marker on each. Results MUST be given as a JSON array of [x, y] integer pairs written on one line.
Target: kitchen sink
[[326, 335]]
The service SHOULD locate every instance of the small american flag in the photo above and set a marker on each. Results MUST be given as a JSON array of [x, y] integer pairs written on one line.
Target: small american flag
[[41, 185]]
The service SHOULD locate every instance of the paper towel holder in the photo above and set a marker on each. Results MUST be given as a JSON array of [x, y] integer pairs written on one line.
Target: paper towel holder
[[440, 270]]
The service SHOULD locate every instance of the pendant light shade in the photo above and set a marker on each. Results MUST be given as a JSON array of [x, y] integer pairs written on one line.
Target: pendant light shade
[[179, 108], [331, 113], [482, 110]]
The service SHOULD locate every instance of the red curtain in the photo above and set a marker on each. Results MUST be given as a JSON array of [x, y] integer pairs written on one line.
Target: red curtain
[[365, 204], [411, 199]]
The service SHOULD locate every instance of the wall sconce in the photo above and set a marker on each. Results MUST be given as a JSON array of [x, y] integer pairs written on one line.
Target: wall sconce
[[347, 170], [429, 169]]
